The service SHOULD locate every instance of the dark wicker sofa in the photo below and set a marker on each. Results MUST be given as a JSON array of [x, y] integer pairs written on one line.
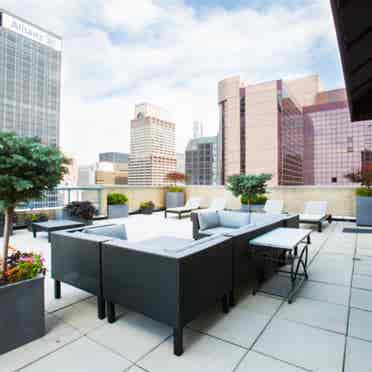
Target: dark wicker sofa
[[172, 287]]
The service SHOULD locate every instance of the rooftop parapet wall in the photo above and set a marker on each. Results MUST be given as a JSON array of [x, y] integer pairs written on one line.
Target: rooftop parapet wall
[[341, 199]]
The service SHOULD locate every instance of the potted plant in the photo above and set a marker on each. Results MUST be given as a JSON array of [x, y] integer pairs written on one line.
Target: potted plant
[[175, 196], [117, 205], [81, 211], [147, 207], [34, 217], [256, 203], [28, 169], [248, 187], [363, 194]]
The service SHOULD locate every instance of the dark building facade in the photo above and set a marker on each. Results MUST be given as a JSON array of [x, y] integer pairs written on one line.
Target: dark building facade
[[201, 161], [30, 79]]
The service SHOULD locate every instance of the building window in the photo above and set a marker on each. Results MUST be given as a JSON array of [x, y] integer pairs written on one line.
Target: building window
[[334, 179]]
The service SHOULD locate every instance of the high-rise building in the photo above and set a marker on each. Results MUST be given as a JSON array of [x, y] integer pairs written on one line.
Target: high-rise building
[[114, 157], [293, 130], [201, 161], [180, 158], [152, 146], [197, 129], [30, 79]]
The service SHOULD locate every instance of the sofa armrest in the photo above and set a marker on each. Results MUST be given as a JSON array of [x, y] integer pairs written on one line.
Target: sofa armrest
[[195, 225]]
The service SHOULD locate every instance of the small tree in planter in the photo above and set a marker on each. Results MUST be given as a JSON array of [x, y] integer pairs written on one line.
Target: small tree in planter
[[82, 211], [364, 194], [27, 170], [248, 187], [117, 205], [175, 194], [147, 207]]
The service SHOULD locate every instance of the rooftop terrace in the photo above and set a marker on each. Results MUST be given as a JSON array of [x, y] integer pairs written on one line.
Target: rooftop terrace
[[326, 328]]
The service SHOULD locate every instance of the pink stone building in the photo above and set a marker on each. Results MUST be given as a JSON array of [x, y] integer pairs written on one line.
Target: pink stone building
[[292, 129]]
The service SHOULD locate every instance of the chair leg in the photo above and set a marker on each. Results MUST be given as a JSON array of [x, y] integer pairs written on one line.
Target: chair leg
[[232, 298], [57, 289], [101, 307], [111, 316], [225, 304], [165, 214], [178, 341], [308, 239], [320, 227]]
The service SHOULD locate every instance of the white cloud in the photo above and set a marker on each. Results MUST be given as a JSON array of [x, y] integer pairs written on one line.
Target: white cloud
[[121, 52]]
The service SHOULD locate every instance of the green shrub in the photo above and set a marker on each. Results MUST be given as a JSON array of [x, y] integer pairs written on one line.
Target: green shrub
[[363, 191], [147, 204], [116, 198], [176, 189]]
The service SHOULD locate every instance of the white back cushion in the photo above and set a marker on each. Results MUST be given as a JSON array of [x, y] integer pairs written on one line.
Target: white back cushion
[[274, 206], [316, 207]]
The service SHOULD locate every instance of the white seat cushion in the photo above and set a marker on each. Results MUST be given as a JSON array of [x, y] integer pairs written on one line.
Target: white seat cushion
[[312, 217]]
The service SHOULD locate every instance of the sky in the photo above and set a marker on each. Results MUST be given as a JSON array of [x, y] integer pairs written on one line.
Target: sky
[[172, 53]]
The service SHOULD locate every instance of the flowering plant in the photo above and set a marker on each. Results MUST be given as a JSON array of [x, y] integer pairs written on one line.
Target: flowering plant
[[22, 266]]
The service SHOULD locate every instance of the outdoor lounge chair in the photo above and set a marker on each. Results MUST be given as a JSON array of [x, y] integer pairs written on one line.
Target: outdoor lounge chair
[[315, 213], [217, 204], [274, 206], [191, 205]]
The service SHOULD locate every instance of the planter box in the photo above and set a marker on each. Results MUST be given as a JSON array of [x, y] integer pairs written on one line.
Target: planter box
[[117, 211], [364, 211], [175, 199], [256, 208], [146, 210], [67, 216], [244, 208], [22, 317]]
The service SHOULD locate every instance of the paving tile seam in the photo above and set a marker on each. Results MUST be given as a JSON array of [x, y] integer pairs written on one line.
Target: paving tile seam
[[261, 333], [349, 303], [283, 361], [69, 305], [48, 354]]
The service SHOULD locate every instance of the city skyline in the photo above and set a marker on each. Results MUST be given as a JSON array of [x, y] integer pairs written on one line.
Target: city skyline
[[113, 61]]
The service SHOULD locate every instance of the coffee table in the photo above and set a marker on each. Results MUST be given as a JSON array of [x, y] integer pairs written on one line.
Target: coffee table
[[54, 225], [287, 241]]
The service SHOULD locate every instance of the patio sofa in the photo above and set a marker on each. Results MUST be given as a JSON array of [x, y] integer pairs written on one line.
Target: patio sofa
[[168, 279], [76, 256], [244, 268]]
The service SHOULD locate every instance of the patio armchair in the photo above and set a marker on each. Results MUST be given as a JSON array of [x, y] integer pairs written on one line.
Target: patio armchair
[[76, 256], [191, 205], [315, 213], [167, 279]]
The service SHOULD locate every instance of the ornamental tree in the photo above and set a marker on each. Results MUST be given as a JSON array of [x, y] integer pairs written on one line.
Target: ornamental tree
[[175, 177], [27, 170], [248, 186], [362, 176]]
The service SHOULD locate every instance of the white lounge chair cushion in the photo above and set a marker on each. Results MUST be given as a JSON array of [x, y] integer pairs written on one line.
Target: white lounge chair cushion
[[218, 204], [274, 206], [312, 217], [316, 208]]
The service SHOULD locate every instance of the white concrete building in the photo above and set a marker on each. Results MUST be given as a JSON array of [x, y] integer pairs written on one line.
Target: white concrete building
[[152, 146]]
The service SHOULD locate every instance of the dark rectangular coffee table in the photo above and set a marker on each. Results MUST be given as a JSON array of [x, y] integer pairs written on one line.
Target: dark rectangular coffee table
[[54, 225]]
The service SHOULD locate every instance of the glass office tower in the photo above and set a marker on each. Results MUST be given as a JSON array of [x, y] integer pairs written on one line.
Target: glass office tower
[[30, 79]]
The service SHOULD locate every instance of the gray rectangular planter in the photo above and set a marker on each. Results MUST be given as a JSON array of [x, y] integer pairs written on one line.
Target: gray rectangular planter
[[22, 313], [117, 211], [175, 199], [364, 211]]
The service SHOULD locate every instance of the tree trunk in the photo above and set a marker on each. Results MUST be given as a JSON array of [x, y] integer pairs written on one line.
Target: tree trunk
[[8, 220]]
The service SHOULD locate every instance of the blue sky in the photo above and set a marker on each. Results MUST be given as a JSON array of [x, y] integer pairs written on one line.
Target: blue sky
[[172, 53]]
